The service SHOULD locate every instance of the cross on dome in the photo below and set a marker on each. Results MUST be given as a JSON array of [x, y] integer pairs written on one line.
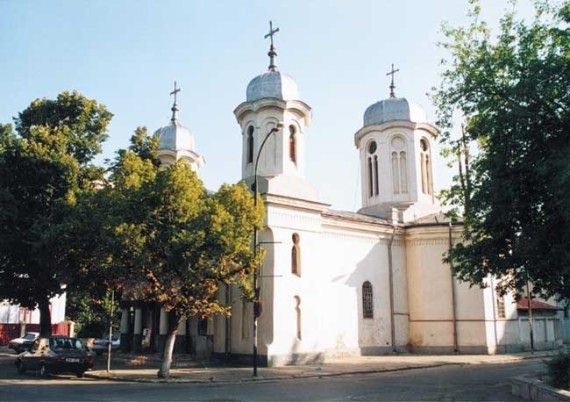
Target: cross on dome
[[392, 86], [174, 105], [272, 53]]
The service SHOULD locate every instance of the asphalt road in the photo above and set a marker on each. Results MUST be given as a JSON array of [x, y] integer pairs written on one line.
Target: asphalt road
[[449, 383]]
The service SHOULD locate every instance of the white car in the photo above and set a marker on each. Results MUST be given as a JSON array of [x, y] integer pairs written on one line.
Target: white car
[[101, 345], [24, 343]]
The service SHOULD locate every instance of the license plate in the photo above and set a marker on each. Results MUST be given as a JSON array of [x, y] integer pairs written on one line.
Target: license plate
[[72, 360]]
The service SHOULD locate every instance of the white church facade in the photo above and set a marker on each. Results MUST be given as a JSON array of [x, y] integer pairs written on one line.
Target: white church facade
[[337, 283]]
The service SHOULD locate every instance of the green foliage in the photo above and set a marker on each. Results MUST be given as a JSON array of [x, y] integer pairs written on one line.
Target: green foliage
[[559, 371], [179, 242], [512, 93], [42, 170], [90, 308]]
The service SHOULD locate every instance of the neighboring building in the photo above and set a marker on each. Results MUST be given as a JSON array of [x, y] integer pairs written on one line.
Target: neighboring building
[[14, 314], [337, 283]]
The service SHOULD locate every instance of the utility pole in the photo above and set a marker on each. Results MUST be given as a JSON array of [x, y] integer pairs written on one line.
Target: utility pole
[[110, 331], [256, 309], [530, 322]]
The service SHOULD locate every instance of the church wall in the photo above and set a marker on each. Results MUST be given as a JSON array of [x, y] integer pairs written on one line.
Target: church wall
[[336, 259], [431, 298]]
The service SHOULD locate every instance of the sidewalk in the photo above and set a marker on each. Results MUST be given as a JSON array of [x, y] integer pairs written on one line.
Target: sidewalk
[[347, 366]]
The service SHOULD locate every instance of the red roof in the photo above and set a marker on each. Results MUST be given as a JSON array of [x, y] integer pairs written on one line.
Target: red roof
[[522, 304]]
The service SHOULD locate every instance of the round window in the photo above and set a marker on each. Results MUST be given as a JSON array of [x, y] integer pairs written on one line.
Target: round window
[[372, 147]]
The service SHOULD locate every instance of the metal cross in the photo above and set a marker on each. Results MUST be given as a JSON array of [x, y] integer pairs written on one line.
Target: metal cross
[[392, 86], [176, 90], [271, 32]]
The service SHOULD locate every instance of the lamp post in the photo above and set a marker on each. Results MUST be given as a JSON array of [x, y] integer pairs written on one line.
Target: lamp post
[[255, 285]]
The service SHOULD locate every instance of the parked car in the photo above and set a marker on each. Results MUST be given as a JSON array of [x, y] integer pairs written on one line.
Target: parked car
[[24, 343], [56, 354], [101, 345]]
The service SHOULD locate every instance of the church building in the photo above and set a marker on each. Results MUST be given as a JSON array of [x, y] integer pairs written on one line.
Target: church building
[[337, 283]]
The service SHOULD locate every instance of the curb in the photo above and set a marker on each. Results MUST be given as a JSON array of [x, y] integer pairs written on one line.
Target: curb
[[212, 380]]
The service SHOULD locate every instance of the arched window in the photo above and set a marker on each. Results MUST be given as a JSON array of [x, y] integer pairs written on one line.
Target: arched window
[[372, 168], [399, 166], [296, 255], [250, 144], [367, 306], [298, 316], [425, 164], [292, 144]]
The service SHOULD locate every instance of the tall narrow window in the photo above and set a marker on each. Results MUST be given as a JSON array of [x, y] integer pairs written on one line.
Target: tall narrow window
[[367, 306], [298, 316], [244, 331], [292, 144], [372, 168], [250, 144], [501, 307], [296, 255], [370, 178], [425, 164], [376, 174]]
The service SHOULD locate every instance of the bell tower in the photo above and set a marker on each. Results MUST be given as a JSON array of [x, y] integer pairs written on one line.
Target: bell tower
[[396, 150], [272, 100]]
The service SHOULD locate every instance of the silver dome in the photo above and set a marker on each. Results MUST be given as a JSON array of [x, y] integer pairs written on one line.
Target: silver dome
[[175, 137], [394, 109], [272, 84]]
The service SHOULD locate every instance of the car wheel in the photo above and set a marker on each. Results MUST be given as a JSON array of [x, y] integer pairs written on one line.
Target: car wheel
[[43, 370], [80, 374], [20, 367]]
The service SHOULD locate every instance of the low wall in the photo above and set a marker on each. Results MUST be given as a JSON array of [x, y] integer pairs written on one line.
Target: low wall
[[534, 390]]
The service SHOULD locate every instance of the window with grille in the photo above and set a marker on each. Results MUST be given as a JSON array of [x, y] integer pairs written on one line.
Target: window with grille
[[367, 306]]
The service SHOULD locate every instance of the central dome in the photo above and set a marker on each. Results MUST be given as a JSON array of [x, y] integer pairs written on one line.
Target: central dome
[[272, 84], [175, 137], [394, 109]]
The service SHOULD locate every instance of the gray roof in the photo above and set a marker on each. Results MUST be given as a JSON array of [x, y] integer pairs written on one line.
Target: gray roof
[[175, 137], [392, 109], [272, 84]]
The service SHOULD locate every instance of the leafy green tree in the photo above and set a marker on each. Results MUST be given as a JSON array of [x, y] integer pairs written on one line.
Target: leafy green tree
[[180, 243], [512, 93], [42, 169]]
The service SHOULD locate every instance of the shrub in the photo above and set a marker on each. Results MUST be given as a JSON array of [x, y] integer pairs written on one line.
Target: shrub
[[559, 370]]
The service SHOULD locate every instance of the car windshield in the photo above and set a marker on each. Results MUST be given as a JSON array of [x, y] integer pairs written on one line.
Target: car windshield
[[29, 337], [65, 343]]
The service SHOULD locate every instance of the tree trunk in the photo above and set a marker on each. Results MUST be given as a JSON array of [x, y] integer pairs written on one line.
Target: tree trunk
[[45, 317], [173, 322]]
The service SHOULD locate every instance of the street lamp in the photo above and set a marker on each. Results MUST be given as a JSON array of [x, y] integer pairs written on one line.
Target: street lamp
[[256, 309]]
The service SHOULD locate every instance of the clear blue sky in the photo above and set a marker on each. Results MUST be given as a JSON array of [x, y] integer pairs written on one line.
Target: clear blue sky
[[126, 55]]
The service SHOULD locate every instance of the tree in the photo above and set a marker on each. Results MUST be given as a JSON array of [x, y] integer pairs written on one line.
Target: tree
[[180, 243], [512, 93], [42, 169]]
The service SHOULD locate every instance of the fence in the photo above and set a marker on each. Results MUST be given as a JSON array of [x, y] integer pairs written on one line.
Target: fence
[[11, 331]]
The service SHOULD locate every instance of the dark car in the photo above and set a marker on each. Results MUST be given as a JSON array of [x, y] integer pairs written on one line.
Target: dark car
[[54, 355], [24, 343]]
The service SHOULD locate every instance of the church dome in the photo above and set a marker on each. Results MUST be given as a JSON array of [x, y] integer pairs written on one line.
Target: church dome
[[394, 109], [272, 84], [175, 137]]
